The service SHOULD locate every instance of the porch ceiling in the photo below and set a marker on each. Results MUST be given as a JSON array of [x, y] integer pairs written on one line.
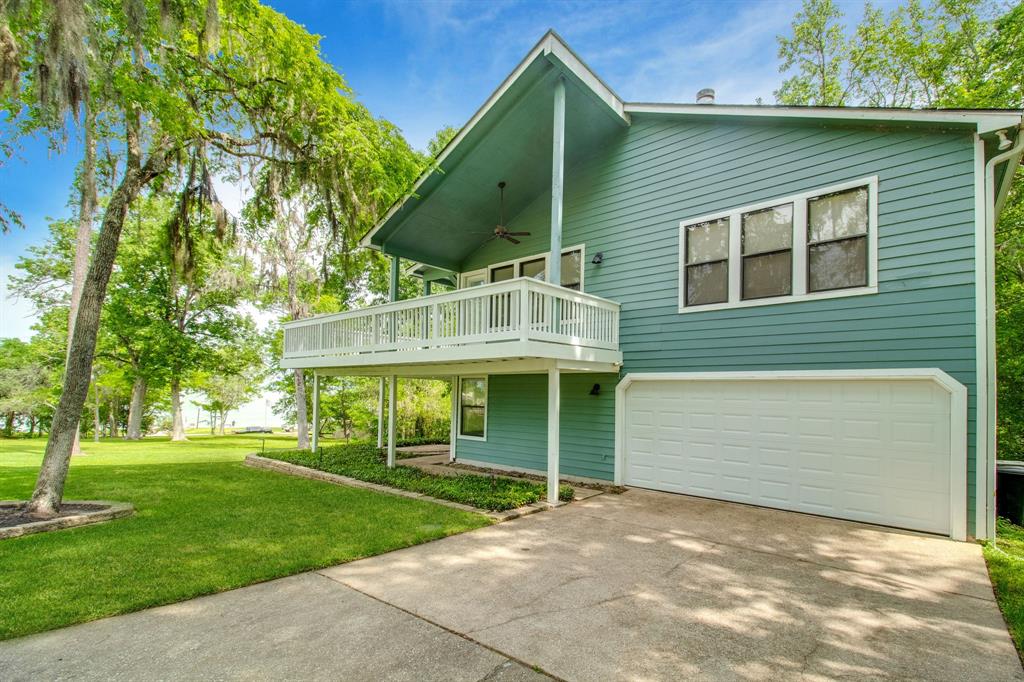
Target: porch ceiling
[[455, 208]]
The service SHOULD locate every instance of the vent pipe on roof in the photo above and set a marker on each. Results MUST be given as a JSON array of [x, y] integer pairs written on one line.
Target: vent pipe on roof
[[706, 96]]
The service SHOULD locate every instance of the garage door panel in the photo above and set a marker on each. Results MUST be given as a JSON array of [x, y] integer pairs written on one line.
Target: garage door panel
[[874, 451]]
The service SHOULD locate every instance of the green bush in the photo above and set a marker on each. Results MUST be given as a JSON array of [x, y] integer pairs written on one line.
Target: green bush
[[366, 463]]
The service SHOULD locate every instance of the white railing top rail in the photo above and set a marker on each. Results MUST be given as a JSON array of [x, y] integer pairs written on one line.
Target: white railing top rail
[[517, 284]]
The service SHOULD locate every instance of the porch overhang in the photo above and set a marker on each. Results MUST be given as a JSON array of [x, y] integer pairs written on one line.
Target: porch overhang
[[452, 208]]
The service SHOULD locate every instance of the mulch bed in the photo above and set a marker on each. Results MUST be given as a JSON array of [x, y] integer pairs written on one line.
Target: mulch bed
[[15, 516], [15, 523]]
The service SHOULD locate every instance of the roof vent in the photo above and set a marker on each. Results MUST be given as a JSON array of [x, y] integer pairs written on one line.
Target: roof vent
[[706, 96]]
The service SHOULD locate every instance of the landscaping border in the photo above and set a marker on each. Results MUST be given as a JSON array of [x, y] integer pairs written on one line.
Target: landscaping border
[[111, 511], [257, 462]]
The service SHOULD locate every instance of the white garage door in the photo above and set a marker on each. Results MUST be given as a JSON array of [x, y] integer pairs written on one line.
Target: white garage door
[[876, 451]]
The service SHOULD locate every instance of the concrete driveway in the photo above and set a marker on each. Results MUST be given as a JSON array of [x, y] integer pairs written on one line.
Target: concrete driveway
[[639, 586], [645, 586]]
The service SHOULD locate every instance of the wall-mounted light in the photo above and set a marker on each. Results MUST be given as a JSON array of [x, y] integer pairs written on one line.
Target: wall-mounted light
[[598, 258], [1004, 141], [596, 390]]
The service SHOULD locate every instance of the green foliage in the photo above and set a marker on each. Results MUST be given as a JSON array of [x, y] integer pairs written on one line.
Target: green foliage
[[366, 463], [440, 140], [1005, 559], [204, 524]]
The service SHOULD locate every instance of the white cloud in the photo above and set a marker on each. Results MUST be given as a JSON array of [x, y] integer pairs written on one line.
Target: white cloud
[[17, 315]]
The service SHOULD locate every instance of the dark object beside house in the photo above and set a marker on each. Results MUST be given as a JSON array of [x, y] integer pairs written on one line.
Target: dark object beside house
[[1010, 490], [255, 429]]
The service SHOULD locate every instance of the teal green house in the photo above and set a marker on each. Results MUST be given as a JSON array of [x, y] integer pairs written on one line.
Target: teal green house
[[789, 307]]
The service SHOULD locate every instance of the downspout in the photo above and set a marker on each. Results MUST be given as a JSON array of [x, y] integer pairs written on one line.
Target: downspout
[[992, 204]]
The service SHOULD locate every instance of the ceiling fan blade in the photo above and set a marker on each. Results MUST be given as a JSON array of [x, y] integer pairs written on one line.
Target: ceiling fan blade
[[511, 239], [519, 234]]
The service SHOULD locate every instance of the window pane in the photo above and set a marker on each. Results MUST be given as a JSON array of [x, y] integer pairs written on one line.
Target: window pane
[[844, 214], [707, 241], [768, 275], [533, 268], [505, 272], [768, 230], [472, 421], [837, 265], [572, 270], [474, 392], [707, 283]]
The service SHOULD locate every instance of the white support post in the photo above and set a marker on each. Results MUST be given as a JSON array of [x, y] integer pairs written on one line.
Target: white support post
[[316, 411], [557, 179], [554, 403], [392, 402], [380, 415], [455, 418]]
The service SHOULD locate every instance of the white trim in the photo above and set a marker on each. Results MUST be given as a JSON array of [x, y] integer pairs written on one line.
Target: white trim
[[533, 472], [981, 504], [487, 400], [554, 431], [392, 420], [501, 366], [984, 121], [799, 277], [549, 44], [957, 425], [453, 430]]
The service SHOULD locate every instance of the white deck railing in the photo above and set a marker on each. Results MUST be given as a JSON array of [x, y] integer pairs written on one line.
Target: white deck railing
[[518, 310]]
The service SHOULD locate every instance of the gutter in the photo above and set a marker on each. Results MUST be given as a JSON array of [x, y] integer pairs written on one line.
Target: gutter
[[994, 199]]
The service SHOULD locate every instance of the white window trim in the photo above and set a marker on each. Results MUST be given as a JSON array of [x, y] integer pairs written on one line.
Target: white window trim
[[800, 292], [518, 262], [487, 401]]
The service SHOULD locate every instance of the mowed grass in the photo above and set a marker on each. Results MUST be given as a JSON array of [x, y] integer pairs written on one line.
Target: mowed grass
[[1005, 561], [203, 524]]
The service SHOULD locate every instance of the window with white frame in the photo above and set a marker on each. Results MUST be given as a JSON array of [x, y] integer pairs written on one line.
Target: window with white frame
[[817, 244], [535, 266], [473, 407]]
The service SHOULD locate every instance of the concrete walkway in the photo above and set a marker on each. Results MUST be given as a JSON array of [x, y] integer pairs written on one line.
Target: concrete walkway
[[639, 586]]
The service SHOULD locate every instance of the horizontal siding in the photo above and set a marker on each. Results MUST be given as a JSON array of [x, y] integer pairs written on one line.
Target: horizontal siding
[[627, 199], [517, 418]]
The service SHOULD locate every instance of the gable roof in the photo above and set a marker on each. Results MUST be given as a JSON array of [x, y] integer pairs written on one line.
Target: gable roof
[[552, 54]]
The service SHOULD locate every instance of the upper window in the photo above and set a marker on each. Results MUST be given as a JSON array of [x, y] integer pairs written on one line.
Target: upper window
[[473, 407], [535, 266], [821, 243]]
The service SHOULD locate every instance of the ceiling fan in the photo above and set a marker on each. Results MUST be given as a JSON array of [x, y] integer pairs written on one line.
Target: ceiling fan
[[500, 231]]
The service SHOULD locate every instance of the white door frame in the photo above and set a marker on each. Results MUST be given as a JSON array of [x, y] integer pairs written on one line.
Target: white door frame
[[957, 416]]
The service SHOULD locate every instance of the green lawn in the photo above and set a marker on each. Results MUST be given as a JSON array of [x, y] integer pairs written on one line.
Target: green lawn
[[1006, 568], [204, 523], [366, 463]]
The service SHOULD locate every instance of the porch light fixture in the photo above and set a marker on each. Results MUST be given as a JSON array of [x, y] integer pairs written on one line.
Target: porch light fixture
[[1004, 141], [598, 258], [596, 390]]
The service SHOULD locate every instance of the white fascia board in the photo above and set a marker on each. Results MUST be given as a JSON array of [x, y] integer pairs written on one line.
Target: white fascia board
[[549, 44], [483, 368], [984, 121]]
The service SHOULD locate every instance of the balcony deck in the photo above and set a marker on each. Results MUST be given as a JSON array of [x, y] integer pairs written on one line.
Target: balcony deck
[[521, 319]]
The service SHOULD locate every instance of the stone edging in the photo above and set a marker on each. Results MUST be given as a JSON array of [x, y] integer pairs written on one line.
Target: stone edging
[[258, 462], [111, 511]]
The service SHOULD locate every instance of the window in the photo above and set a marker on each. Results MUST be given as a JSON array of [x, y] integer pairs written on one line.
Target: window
[[707, 262], [473, 407], [535, 266], [572, 269], [821, 243], [837, 240], [767, 238]]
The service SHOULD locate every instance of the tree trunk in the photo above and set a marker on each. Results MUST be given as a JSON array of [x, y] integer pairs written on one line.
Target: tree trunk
[[301, 422], [9, 425], [223, 421], [31, 425], [112, 419], [136, 408], [96, 413], [177, 419], [49, 491]]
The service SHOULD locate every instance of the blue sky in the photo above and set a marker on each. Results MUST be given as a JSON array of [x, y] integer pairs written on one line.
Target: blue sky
[[423, 65]]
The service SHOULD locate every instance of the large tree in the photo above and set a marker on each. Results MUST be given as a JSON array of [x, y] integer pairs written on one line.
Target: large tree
[[184, 90]]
